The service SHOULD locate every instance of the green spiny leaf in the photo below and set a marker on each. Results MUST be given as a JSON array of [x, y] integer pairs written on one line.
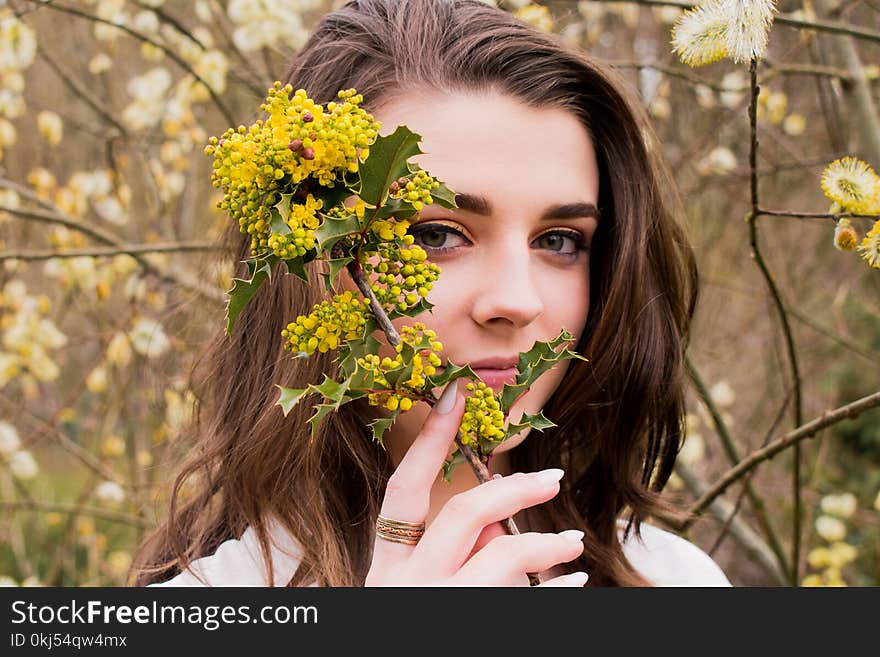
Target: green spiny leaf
[[332, 230], [289, 398], [536, 421], [321, 410], [242, 291], [380, 425], [387, 162]]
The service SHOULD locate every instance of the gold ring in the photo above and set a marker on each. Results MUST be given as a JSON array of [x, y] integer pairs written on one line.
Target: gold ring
[[399, 531]]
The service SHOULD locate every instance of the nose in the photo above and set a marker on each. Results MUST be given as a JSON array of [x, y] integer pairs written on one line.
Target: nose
[[507, 293]]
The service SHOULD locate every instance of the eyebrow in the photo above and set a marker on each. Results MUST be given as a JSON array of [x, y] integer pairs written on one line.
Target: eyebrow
[[480, 205]]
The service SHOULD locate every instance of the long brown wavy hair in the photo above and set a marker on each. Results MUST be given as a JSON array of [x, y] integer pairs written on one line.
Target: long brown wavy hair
[[619, 417]]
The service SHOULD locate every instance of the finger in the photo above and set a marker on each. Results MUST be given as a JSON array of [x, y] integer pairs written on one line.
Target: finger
[[578, 579], [489, 533], [450, 539], [507, 558], [408, 493]]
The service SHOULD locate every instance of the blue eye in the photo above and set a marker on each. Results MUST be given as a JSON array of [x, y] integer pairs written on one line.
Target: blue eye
[[433, 239]]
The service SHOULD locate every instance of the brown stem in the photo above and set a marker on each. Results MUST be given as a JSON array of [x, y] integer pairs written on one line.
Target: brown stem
[[477, 465]]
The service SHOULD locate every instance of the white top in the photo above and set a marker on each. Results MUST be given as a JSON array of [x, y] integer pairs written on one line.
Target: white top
[[661, 557]]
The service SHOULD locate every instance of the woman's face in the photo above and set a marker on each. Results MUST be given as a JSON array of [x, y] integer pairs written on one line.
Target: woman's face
[[515, 255]]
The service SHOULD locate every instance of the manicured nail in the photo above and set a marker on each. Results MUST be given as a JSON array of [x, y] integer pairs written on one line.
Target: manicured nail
[[497, 476], [447, 399], [578, 579], [573, 535], [549, 477]]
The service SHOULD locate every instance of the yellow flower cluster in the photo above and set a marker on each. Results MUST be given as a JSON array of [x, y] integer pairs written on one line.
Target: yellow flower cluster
[[870, 246], [303, 220], [404, 275], [329, 323], [298, 140], [483, 417], [416, 190], [853, 185], [424, 362]]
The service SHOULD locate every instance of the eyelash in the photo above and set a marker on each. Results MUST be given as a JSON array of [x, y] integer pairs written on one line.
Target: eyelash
[[577, 238]]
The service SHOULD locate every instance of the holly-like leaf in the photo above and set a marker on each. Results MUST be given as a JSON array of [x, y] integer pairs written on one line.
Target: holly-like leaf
[[351, 350], [278, 223], [443, 196], [387, 162], [380, 426], [332, 230], [533, 363], [289, 398], [295, 267], [242, 291], [417, 309], [450, 464], [336, 266], [537, 421], [321, 410], [451, 373]]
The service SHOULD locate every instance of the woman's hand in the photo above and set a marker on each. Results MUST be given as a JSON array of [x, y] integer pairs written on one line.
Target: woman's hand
[[466, 544]]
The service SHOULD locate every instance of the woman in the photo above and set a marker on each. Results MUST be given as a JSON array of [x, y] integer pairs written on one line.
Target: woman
[[566, 218]]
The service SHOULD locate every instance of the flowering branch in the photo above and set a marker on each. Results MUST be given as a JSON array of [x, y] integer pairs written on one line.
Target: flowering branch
[[793, 438], [479, 469], [105, 237], [130, 249], [177, 59], [780, 308]]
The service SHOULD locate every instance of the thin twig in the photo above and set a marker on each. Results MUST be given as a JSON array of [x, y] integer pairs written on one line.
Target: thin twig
[[177, 59], [129, 249], [780, 308], [733, 455], [828, 418], [76, 509], [105, 237]]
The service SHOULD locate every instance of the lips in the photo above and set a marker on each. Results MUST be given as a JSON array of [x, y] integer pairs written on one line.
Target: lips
[[496, 378], [493, 377]]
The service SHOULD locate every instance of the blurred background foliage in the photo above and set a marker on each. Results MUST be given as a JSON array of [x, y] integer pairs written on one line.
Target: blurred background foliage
[[105, 108]]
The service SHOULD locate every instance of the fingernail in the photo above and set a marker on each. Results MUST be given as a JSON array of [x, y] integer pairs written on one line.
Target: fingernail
[[578, 579], [573, 535], [497, 476], [549, 477], [447, 399]]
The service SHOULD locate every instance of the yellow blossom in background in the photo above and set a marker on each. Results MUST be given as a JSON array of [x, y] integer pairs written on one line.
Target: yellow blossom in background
[[845, 236], [537, 16], [795, 124], [119, 350], [9, 440], [96, 381], [699, 36], [100, 63], [842, 506], [869, 248], [715, 29], [693, 450], [113, 446], [51, 127], [721, 160], [748, 28], [23, 465], [830, 528], [18, 43], [53, 519], [109, 492], [852, 184], [148, 338], [118, 563], [144, 459]]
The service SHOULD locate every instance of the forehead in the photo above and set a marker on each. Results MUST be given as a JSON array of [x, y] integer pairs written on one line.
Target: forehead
[[489, 143]]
